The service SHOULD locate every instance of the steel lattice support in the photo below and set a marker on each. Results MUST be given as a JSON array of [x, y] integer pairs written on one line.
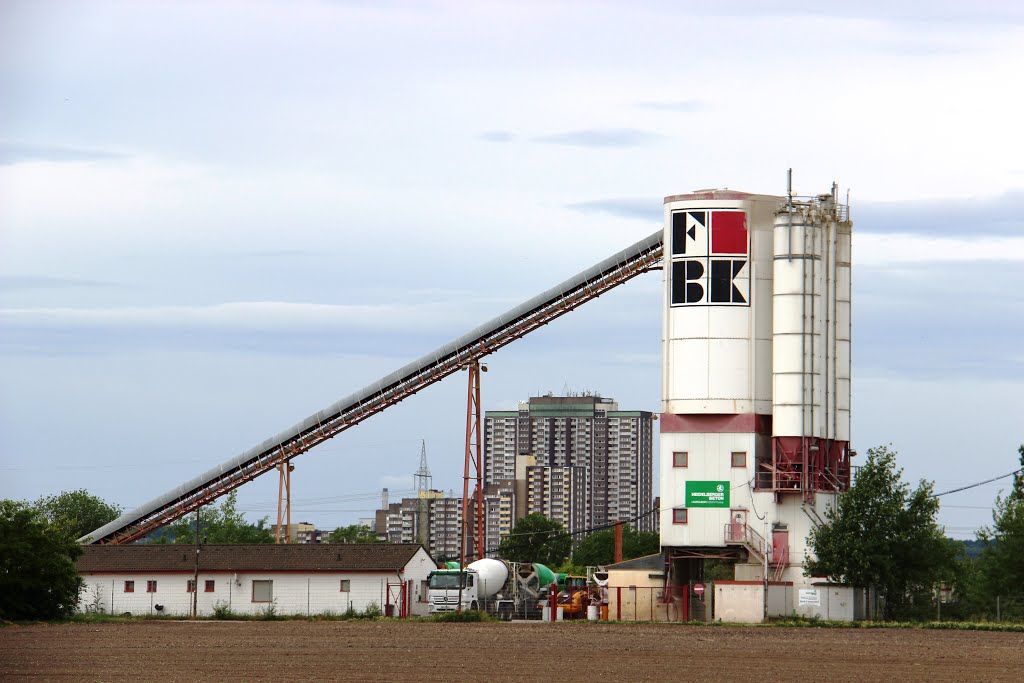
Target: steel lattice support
[[284, 502], [473, 466], [644, 256]]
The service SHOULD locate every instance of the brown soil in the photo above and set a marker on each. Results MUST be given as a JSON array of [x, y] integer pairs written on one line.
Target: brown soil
[[533, 652]]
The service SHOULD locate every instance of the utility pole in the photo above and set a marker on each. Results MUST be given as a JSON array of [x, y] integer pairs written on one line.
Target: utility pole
[[765, 616], [195, 578], [423, 483]]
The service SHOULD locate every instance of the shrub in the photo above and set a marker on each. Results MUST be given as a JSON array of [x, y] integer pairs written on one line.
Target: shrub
[[221, 610], [270, 612], [464, 616]]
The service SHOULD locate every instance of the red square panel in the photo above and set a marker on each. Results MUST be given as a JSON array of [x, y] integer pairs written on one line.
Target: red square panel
[[728, 232]]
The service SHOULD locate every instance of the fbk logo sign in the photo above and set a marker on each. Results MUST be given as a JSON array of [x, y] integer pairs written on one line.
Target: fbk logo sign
[[710, 258]]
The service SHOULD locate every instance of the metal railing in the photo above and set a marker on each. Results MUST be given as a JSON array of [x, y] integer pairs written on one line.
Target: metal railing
[[741, 534]]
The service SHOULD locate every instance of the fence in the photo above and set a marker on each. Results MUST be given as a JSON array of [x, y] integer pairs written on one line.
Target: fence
[[671, 604], [1010, 608]]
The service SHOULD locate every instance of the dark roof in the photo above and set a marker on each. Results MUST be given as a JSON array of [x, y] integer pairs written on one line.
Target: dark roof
[[291, 557], [656, 561]]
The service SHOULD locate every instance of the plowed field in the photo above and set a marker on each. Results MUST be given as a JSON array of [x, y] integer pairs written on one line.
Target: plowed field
[[390, 651]]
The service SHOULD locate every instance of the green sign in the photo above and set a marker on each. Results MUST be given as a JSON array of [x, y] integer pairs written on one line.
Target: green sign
[[707, 494]]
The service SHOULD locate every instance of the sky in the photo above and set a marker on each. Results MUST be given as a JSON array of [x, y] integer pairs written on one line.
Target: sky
[[217, 218]]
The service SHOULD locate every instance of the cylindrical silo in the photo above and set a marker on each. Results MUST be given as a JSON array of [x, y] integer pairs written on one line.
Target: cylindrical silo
[[717, 359], [810, 347]]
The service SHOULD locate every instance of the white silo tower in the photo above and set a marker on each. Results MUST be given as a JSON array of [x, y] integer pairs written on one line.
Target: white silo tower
[[756, 378]]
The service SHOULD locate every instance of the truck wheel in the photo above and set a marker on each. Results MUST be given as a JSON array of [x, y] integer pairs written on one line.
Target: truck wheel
[[474, 606]]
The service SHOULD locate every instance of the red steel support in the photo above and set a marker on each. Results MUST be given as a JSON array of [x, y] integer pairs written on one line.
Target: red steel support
[[473, 462], [284, 502]]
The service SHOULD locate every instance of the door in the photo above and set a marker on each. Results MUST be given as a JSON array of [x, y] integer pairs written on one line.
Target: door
[[780, 546], [737, 525]]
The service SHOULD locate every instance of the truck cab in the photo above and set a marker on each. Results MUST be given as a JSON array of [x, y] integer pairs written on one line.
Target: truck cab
[[444, 587]]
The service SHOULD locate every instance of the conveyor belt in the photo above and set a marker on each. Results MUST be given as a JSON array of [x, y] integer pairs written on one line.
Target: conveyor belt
[[643, 256]]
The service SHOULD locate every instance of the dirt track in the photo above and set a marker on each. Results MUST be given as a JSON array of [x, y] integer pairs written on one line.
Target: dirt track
[[389, 651]]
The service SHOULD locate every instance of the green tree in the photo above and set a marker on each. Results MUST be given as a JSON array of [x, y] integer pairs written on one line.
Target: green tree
[[1000, 567], [535, 538], [217, 524], [355, 533], [883, 535], [38, 578], [76, 513], [599, 548]]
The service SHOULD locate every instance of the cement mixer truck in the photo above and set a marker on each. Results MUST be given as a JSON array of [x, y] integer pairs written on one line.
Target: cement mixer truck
[[503, 589]]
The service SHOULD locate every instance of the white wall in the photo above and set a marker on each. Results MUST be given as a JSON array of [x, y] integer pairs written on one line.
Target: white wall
[[293, 592], [739, 602], [709, 459]]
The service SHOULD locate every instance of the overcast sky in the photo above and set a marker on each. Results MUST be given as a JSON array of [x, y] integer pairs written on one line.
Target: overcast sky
[[218, 218]]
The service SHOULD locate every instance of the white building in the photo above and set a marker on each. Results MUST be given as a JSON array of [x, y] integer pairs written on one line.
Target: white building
[[249, 579]]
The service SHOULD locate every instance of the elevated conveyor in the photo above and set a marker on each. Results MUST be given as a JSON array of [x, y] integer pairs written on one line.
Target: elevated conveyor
[[643, 256]]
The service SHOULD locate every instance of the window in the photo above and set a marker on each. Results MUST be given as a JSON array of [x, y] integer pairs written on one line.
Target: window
[[346, 585], [679, 515], [129, 586], [739, 459], [262, 591], [190, 587], [680, 458], [151, 586], [209, 585]]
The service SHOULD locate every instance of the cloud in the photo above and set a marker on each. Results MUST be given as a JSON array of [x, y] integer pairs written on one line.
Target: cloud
[[498, 136], [639, 208], [939, 320], [10, 283], [963, 218], [674, 105], [872, 249], [17, 152], [246, 315], [600, 137]]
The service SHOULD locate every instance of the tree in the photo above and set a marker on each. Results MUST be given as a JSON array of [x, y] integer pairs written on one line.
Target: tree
[[599, 548], [535, 538], [76, 513], [1000, 567], [223, 524], [38, 578], [355, 533], [883, 535]]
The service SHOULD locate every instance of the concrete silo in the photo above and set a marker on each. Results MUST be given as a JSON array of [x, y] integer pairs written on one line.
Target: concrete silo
[[756, 379]]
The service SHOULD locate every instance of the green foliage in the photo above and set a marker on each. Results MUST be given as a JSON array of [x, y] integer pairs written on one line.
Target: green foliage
[[269, 612], [221, 524], [599, 548], [465, 616], [535, 538], [356, 533], [883, 535], [221, 610], [719, 570], [38, 578], [76, 513], [1000, 567]]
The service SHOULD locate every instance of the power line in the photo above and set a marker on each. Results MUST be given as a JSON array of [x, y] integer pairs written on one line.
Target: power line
[[980, 483]]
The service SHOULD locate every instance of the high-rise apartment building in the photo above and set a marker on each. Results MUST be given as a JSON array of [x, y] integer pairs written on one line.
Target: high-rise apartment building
[[438, 523], [584, 462]]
